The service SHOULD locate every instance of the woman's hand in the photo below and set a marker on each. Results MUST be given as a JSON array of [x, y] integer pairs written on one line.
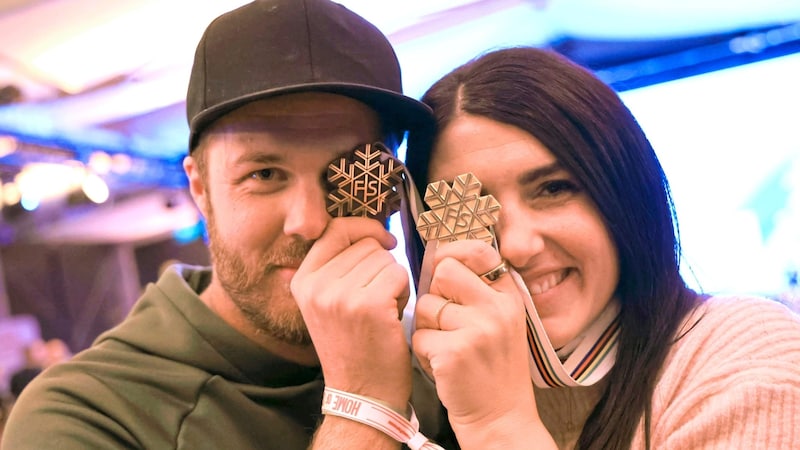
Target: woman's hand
[[475, 346]]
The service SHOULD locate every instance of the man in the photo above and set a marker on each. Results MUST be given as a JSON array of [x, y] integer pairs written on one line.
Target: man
[[235, 358]]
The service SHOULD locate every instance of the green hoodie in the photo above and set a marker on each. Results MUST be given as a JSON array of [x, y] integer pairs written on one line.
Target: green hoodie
[[173, 375]]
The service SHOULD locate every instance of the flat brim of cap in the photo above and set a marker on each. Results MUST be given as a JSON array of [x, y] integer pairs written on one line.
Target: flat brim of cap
[[398, 112]]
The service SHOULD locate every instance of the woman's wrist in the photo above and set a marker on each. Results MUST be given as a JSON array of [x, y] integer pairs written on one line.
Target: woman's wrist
[[521, 429]]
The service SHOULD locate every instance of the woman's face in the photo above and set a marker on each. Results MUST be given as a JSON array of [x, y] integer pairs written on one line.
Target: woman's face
[[549, 229]]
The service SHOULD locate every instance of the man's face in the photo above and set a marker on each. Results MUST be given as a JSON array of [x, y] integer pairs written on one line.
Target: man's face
[[263, 196]]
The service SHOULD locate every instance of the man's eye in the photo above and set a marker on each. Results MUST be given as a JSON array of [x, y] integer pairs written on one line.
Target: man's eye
[[264, 174]]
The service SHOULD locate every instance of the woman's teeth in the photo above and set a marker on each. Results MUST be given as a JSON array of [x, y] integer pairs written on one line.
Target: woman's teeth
[[546, 282]]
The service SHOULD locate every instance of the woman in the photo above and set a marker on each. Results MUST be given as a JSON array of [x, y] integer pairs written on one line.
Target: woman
[[586, 224]]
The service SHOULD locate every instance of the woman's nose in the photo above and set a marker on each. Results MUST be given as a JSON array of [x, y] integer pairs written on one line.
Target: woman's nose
[[519, 235]]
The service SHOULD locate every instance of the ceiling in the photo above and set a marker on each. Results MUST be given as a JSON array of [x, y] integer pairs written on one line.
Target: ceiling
[[97, 87]]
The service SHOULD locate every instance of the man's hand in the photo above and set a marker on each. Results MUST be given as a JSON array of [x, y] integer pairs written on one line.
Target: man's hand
[[352, 292]]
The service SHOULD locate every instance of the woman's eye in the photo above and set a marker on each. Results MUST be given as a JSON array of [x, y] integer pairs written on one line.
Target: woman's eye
[[556, 187]]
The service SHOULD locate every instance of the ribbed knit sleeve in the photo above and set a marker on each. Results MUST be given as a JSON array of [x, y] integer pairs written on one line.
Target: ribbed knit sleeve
[[732, 380]]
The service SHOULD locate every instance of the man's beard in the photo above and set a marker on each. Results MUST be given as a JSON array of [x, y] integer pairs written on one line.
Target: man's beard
[[261, 298]]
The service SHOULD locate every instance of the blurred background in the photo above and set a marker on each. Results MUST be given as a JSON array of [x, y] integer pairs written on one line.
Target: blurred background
[[92, 134]]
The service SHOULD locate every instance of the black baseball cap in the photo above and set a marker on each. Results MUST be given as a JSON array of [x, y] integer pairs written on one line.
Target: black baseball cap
[[273, 47]]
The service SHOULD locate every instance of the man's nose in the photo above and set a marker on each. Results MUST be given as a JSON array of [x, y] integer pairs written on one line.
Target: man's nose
[[307, 214]]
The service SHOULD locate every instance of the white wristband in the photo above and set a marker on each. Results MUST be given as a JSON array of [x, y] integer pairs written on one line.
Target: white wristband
[[377, 415]]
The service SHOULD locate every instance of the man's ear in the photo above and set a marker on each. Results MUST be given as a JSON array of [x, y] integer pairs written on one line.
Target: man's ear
[[197, 185]]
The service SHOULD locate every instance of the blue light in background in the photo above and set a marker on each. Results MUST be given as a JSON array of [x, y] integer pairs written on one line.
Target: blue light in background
[[189, 234], [29, 203]]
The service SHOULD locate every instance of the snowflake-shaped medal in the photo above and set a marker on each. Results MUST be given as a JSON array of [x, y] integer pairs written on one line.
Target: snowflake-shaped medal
[[364, 183], [458, 211]]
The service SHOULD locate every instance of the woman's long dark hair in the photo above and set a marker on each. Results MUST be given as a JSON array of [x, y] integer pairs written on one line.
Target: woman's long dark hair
[[594, 136]]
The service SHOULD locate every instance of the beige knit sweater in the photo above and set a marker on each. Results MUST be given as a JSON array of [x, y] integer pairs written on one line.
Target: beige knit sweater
[[732, 382]]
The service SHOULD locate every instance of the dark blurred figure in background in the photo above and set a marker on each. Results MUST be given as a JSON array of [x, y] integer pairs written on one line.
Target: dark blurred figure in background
[[39, 355]]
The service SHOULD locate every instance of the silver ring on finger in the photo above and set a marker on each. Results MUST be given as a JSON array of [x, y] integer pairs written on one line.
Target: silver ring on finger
[[495, 274]]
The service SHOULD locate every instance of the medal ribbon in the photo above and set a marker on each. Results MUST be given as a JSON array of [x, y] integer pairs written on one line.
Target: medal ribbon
[[592, 358], [594, 351]]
